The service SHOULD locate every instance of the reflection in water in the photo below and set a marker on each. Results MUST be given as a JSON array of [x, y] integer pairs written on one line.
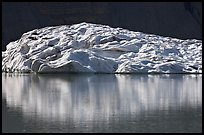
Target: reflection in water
[[95, 100]]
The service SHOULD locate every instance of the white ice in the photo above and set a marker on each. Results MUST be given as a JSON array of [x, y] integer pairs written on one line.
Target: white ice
[[96, 48]]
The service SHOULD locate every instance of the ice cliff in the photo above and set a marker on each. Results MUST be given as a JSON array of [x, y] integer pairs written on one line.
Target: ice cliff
[[96, 48]]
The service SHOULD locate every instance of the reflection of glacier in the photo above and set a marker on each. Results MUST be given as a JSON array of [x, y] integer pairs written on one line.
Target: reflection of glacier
[[98, 97]]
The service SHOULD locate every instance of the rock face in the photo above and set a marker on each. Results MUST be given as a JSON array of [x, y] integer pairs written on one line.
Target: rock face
[[181, 20], [96, 48]]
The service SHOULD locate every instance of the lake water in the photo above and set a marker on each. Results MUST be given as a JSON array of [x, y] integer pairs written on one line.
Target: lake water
[[101, 103]]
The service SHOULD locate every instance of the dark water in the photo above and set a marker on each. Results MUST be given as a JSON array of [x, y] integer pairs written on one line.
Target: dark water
[[101, 103]]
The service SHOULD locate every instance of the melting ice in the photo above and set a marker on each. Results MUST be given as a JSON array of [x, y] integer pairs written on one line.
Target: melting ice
[[95, 48]]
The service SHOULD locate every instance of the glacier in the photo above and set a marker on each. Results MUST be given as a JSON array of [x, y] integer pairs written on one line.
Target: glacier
[[97, 48]]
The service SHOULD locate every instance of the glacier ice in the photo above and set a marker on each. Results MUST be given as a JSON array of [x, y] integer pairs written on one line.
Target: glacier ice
[[96, 48]]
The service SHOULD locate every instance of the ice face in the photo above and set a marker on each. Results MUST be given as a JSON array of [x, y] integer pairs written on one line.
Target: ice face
[[96, 48]]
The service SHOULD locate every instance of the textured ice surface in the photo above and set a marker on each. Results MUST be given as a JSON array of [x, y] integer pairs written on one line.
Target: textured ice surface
[[96, 48]]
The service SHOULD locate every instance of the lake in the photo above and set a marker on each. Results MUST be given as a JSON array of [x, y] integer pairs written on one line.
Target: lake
[[50, 103]]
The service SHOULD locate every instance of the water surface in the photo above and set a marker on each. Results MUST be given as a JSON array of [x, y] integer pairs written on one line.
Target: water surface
[[101, 103]]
